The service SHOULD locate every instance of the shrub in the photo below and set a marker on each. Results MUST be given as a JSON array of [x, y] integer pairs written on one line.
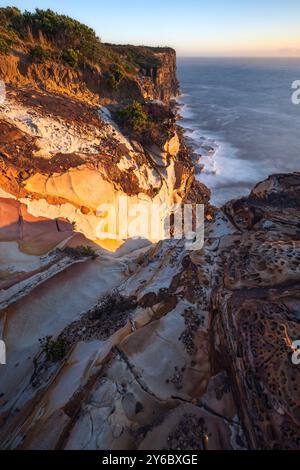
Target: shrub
[[4, 46], [70, 57], [54, 350], [63, 31], [134, 116], [116, 77], [81, 251], [39, 55], [68, 34]]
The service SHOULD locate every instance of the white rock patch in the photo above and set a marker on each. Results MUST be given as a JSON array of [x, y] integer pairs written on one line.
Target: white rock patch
[[54, 134]]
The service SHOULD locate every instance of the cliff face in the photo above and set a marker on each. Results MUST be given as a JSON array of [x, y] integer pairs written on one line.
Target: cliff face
[[159, 82], [155, 80], [64, 151]]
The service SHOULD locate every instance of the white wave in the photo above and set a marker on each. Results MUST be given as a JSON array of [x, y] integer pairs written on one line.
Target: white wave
[[218, 164]]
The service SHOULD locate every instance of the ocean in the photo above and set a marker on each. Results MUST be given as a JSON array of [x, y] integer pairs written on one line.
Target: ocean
[[239, 117]]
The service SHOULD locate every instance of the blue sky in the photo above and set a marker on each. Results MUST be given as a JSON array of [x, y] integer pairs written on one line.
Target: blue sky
[[192, 27]]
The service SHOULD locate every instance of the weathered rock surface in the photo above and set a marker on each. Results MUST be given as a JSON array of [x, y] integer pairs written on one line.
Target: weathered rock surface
[[200, 360], [255, 317]]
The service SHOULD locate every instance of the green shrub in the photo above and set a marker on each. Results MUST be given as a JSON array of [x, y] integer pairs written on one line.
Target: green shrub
[[116, 77], [4, 46], [54, 349], [133, 116], [12, 18], [80, 251], [70, 57], [78, 43], [65, 33], [39, 55]]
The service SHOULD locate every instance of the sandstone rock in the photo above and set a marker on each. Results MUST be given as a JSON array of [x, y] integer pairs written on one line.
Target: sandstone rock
[[256, 319]]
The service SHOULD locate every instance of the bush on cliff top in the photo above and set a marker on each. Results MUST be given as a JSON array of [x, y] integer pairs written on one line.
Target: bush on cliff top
[[70, 57], [67, 33], [64, 32], [12, 19]]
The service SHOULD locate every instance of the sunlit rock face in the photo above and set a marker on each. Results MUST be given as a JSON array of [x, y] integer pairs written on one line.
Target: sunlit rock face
[[154, 80], [160, 82], [62, 158]]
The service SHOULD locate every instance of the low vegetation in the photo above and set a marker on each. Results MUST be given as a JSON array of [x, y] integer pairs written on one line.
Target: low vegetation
[[66, 33], [4, 46], [72, 42], [140, 57], [116, 77], [134, 117], [112, 304], [39, 55]]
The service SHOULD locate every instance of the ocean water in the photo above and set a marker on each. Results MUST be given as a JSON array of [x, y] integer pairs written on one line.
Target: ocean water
[[240, 119]]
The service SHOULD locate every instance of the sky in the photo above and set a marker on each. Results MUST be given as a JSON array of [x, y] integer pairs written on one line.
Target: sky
[[217, 28]]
